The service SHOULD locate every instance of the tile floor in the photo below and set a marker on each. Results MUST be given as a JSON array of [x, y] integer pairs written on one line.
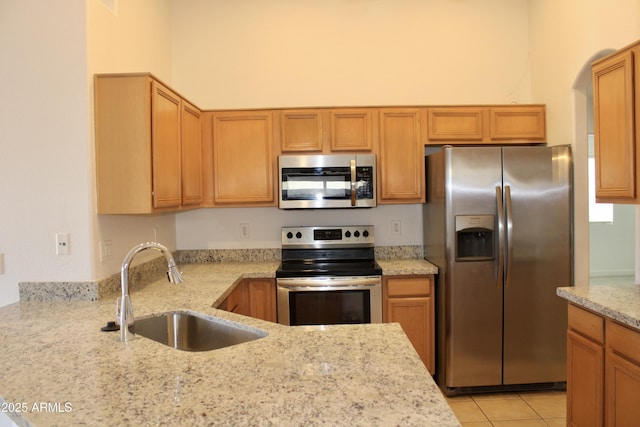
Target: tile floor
[[530, 409]]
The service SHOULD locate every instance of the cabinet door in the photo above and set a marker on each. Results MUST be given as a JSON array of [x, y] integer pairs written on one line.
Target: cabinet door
[[351, 130], [262, 299], [165, 147], [242, 158], [455, 124], [614, 130], [623, 392], [191, 155], [517, 123], [413, 315], [401, 156], [585, 373], [622, 376], [301, 130], [238, 300]]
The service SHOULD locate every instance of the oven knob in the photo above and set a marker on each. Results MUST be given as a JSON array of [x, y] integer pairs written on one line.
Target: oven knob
[[299, 235], [356, 234], [347, 234], [365, 233], [289, 235]]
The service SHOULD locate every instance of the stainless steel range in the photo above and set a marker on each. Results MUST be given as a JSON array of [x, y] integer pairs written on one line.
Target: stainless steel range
[[328, 275]]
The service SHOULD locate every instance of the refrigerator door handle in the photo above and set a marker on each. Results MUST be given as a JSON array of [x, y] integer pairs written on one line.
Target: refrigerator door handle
[[507, 194], [500, 265]]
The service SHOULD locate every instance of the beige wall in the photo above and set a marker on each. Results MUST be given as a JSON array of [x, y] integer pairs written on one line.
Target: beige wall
[[254, 53], [44, 125]]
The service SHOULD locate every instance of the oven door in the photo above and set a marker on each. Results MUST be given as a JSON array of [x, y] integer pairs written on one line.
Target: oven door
[[329, 300]]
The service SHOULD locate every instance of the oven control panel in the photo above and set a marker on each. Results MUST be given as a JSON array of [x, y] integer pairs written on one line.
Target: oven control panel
[[323, 237]]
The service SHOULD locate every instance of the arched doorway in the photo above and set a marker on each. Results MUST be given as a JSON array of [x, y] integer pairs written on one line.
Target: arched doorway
[[604, 245]]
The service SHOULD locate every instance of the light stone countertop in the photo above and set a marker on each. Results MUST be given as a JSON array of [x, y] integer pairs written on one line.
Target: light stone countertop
[[54, 353], [618, 302], [400, 267]]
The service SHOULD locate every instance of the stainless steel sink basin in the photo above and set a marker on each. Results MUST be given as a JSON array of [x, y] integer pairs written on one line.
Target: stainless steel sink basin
[[194, 332]]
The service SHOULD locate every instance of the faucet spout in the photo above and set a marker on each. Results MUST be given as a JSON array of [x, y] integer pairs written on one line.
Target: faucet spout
[[125, 309]]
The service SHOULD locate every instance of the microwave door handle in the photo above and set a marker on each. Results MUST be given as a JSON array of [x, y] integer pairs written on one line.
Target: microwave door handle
[[353, 182]]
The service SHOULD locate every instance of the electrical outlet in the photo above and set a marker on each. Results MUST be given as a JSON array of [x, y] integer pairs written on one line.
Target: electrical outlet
[[62, 244], [244, 231], [105, 250], [396, 227]]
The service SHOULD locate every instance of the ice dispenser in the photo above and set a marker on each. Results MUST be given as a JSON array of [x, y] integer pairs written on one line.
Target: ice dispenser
[[474, 237]]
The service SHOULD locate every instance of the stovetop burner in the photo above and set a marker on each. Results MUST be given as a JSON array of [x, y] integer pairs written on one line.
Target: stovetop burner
[[328, 251]]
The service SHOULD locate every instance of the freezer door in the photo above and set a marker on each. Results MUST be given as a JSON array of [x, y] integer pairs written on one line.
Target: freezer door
[[537, 191], [473, 291]]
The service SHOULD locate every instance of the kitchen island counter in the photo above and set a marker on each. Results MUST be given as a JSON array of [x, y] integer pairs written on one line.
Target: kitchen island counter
[[618, 302], [58, 368]]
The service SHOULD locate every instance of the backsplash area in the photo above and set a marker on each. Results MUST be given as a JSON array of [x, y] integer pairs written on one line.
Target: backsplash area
[[145, 273]]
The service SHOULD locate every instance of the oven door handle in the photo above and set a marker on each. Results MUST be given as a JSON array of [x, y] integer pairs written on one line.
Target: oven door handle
[[329, 282]]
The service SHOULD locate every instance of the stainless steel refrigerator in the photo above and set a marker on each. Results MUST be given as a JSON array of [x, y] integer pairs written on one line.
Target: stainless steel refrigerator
[[498, 224]]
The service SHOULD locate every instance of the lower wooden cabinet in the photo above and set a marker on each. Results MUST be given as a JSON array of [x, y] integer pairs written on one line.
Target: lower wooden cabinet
[[603, 371], [585, 368], [622, 376], [408, 300], [254, 298]]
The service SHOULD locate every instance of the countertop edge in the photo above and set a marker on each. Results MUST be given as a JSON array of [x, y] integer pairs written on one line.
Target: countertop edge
[[615, 302]]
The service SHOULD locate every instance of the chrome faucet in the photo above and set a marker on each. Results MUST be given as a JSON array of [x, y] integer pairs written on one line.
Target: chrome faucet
[[124, 315]]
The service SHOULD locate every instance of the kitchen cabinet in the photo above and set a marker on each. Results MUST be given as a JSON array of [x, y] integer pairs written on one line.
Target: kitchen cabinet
[[616, 115], [400, 156], [191, 154], [254, 298], [585, 368], [326, 130], [352, 129], [147, 146], [243, 159], [603, 371], [409, 301], [491, 124], [622, 376], [302, 130]]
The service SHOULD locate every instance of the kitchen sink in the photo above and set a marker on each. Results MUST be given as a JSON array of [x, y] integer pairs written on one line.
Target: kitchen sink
[[194, 332]]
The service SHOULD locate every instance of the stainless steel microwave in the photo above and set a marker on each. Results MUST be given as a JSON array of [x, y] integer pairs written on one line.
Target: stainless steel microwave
[[327, 181]]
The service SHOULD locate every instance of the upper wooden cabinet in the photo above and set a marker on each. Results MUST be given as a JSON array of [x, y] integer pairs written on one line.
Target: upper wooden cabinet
[[144, 132], [486, 124], [191, 155], [327, 130], [243, 159], [351, 129], [455, 124], [400, 156], [616, 100], [301, 130]]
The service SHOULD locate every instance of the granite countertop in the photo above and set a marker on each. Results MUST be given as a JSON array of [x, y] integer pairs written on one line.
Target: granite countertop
[[618, 302], [55, 357]]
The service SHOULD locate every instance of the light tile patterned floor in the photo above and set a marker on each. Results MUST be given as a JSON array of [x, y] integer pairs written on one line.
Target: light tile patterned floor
[[530, 409]]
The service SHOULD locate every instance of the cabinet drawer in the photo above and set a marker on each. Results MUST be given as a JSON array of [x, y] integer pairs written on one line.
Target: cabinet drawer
[[586, 323], [623, 340], [411, 286]]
